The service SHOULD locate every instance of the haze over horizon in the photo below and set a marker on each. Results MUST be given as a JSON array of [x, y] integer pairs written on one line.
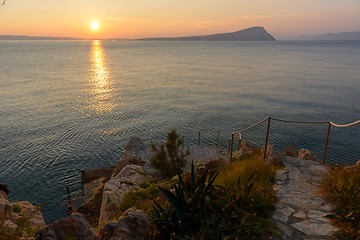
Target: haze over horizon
[[170, 18]]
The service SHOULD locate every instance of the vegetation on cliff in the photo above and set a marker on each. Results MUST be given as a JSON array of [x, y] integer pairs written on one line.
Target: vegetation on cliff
[[169, 157], [235, 200], [342, 188]]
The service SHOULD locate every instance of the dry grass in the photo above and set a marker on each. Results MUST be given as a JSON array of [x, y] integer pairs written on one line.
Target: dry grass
[[341, 187], [252, 180]]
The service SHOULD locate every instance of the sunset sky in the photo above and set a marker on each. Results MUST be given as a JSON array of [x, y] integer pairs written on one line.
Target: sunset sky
[[160, 18]]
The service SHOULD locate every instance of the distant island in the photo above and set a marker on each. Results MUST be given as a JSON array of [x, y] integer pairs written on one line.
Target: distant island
[[249, 34], [16, 37], [343, 36]]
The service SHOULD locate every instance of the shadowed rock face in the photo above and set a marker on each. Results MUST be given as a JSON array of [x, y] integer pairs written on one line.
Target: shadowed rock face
[[73, 227], [135, 224]]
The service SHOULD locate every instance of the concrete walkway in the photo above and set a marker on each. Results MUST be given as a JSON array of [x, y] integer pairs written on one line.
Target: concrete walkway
[[301, 210]]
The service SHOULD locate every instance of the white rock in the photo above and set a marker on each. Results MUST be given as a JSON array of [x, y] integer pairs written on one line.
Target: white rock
[[314, 227], [300, 215], [306, 154], [130, 178]]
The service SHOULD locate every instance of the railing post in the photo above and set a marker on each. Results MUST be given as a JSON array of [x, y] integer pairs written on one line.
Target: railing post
[[228, 143], [231, 146], [239, 141], [82, 181], [267, 137], [327, 142], [69, 205]]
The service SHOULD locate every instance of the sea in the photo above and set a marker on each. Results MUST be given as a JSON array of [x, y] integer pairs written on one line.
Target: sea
[[72, 105]]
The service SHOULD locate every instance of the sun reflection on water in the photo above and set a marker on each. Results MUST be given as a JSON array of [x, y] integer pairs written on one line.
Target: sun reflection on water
[[100, 80]]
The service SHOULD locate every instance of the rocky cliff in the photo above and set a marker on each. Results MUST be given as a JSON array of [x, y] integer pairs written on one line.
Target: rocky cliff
[[249, 34]]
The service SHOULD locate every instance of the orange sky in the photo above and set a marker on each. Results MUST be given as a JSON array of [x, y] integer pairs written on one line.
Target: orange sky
[[156, 18]]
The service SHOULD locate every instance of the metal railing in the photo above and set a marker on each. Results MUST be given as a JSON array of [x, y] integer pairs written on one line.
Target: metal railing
[[269, 119]]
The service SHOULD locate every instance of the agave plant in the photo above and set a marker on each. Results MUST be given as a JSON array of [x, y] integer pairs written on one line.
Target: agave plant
[[194, 211]]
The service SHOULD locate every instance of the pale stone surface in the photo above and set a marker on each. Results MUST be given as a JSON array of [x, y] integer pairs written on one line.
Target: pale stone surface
[[318, 215], [130, 178], [282, 175], [301, 209], [314, 227], [283, 213], [300, 214]]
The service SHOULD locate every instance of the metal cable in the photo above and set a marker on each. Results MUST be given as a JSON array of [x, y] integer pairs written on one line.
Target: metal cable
[[292, 121], [252, 126]]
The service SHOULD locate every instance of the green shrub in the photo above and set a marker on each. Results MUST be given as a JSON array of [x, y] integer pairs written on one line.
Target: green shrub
[[169, 158], [341, 187], [16, 208]]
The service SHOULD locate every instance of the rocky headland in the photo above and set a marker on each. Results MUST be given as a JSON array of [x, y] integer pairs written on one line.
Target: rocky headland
[[300, 211]]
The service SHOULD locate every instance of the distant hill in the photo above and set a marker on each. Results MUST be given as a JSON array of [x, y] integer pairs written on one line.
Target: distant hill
[[343, 36], [13, 37], [249, 34]]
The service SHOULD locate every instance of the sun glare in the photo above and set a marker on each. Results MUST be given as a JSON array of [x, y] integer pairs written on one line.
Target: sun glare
[[94, 25]]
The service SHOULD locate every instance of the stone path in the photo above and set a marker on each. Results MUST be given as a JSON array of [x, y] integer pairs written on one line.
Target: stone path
[[301, 210]]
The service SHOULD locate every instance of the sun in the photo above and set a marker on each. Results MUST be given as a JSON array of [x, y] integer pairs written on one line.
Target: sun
[[94, 25]]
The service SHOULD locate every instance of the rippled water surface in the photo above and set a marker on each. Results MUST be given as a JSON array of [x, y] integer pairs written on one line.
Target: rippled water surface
[[66, 106]]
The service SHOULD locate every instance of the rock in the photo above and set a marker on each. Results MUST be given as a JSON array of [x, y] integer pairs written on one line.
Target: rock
[[135, 224], [306, 154], [212, 165], [73, 227], [246, 150], [6, 210], [18, 217], [123, 162], [130, 178], [315, 228], [136, 148], [300, 215], [291, 151], [4, 188], [30, 212]]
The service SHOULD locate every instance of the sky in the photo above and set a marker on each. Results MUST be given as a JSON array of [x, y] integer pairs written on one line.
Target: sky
[[164, 18]]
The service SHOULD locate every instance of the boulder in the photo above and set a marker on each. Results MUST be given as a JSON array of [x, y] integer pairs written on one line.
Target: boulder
[[130, 178], [30, 213], [73, 227], [136, 148], [18, 218], [212, 165], [246, 150], [123, 162], [306, 154], [135, 224]]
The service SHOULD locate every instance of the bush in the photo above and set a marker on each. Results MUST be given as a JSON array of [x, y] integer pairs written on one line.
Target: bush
[[169, 158], [342, 188], [237, 203], [16, 208]]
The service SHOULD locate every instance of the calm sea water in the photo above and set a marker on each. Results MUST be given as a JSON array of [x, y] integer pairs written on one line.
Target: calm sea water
[[66, 106]]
